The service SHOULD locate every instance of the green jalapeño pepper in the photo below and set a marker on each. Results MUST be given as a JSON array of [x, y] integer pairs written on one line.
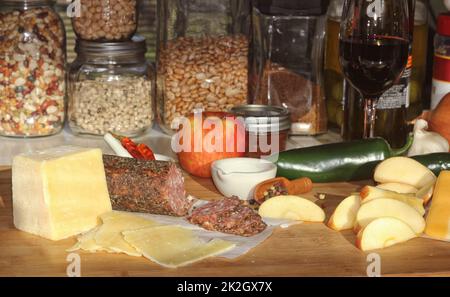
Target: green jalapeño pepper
[[339, 162], [436, 162]]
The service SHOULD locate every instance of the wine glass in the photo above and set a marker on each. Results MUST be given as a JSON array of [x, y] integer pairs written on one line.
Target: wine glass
[[374, 49]]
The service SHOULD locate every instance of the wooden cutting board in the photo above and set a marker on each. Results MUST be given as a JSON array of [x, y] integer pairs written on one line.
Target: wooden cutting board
[[302, 250]]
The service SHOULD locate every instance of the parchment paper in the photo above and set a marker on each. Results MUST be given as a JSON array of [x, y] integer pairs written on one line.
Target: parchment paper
[[243, 244]]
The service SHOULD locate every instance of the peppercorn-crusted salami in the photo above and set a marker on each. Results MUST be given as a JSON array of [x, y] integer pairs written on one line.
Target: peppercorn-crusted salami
[[228, 215], [146, 186]]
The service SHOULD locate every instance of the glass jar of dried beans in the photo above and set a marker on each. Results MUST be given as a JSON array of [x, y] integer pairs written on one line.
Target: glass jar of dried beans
[[32, 69], [203, 49], [106, 20], [111, 88]]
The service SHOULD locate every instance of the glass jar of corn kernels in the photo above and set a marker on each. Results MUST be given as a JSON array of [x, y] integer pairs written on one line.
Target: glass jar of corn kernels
[[32, 69]]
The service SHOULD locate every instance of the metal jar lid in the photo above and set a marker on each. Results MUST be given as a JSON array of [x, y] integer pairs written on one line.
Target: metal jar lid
[[263, 118], [136, 46]]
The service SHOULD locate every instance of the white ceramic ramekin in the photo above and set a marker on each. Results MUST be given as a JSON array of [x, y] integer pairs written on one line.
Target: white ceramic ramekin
[[239, 176]]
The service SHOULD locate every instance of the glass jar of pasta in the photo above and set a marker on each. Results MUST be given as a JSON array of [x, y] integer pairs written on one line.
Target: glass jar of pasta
[[111, 88], [202, 57], [32, 69]]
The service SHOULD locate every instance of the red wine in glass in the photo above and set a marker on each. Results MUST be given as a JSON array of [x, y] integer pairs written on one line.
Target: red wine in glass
[[374, 48], [374, 65]]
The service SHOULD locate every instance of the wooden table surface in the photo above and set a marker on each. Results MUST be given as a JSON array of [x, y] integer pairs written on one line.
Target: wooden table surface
[[303, 250]]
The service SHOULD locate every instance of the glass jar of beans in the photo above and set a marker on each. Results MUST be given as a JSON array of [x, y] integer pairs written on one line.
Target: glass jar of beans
[[202, 57], [32, 69], [111, 88], [105, 20]]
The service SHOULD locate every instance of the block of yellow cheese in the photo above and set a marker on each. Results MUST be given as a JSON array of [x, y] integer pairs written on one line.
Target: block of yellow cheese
[[438, 220], [59, 192]]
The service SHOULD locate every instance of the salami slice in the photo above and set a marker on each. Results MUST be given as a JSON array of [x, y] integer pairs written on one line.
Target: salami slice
[[229, 215]]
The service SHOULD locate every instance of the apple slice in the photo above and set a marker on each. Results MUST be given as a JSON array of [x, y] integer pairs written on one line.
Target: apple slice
[[370, 193], [384, 232], [399, 188], [344, 217], [292, 208], [385, 207], [426, 193], [404, 170]]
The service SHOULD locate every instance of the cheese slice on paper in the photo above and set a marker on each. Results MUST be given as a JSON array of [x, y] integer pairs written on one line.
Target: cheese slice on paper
[[174, 246], [87, 243], [438, 220], [109, 235], [59, 192]]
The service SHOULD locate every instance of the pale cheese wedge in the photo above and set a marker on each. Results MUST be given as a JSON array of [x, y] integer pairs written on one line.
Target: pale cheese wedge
[[110, 236], [438, 220], [59, 192], [174, 246]]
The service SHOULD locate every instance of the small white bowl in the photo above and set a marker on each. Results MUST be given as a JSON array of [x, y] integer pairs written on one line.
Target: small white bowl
[[239, 176]]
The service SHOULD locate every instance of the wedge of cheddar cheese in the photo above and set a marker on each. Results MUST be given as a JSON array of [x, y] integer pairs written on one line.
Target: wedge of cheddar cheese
[[438, 220], [59, 192]]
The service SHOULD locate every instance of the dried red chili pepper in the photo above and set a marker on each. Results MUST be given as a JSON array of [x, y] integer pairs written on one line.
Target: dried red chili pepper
[[137, 151], [131, 147], [146, 152]]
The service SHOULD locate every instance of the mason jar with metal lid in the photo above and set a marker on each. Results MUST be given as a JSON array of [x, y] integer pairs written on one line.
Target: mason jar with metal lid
[[32, 69], [267, 128], [111, 88]]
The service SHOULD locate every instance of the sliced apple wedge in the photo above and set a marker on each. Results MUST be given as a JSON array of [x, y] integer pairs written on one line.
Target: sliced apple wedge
[[398, 188], [292, 208], [382, 233], [385, 207], [404, 170], [344, 217], [426, 193], [370, 193]]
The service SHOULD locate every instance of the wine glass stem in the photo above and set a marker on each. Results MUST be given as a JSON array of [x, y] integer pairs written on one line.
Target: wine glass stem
[[370, 115]]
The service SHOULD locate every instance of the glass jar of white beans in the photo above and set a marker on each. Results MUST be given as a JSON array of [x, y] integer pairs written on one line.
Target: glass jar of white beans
[[111, 89]]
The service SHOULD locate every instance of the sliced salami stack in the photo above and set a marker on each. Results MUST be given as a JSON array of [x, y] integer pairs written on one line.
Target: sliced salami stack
[[228, 215], [146, 186]]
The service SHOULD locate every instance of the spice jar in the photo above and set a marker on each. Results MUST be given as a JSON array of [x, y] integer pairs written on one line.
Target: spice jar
[[111, 88], [32, 69], [106, 20], [287, 66], [202, 57], [267, 128]]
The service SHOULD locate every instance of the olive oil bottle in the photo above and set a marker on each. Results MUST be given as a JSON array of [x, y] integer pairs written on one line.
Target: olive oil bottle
[[333, 77]]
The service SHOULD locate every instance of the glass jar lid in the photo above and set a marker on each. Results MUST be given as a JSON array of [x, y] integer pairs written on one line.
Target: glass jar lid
[[263, 118], [27, 3], [136, 46]]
